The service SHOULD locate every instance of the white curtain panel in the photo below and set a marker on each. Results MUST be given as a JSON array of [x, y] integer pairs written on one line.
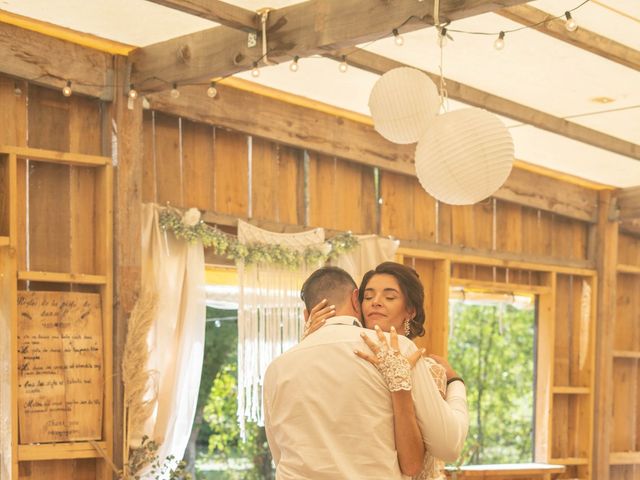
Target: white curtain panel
[[174, 268], [270, 313], [370, 252]]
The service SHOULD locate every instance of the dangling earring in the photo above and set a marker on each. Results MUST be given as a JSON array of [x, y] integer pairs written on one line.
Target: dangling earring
[[407, 327]]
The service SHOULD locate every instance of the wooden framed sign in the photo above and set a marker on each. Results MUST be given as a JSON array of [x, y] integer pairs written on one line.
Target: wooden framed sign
[[60, 366]]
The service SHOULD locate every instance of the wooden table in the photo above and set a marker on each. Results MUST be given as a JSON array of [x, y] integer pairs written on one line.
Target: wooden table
[[521, 471]]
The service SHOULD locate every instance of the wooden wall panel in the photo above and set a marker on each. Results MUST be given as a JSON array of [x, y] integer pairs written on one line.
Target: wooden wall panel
[[396, 212], [509, 227], [627, 329], [322, 199], [79, 469], [624, 408], [424, 214], [354, 193], [628, 250], [83, 199], [291, 181], [48, 119], [168, 163], [197, 163], [536, 232], [149, 186], [13, 112], [4, 196], [231, 173]]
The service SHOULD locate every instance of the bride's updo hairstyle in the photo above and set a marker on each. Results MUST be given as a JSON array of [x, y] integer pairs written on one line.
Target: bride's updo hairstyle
[[411, 288]]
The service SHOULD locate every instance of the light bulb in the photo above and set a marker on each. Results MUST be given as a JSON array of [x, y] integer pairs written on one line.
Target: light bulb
[[294, 65], [133, 93], [212, 91], [66, 90], [17, 91], [343, 64], [570, 24], [499, 43], [255, 72], [175, 93], [398, 38]]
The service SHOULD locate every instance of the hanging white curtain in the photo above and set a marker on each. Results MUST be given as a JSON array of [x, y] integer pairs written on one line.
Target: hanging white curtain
[[174, 269], [5, 371], [370, 252], [270, 313]]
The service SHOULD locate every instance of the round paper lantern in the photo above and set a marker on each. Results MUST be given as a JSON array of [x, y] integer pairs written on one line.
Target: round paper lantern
[[403, 102], [464, 156]]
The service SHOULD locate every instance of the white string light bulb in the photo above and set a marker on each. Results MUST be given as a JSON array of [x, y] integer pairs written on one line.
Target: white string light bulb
[[499, 43], [17, 91], [255, 71], [570, 24], [66, 90], [133, 93], [399, 39], [175, 93], [212, 91], [294, 65], [343, 64]]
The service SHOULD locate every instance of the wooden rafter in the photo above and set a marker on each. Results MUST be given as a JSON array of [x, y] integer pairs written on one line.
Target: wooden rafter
[[628, 204], [302, 29], [581, 38], [378, 64], [216, 11], [49, 61]]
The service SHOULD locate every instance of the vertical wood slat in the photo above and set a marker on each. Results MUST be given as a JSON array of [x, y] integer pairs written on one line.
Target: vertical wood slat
[[166, 145], [322, 201], [197, 163], [13, 114], [149, 183], [12, 266], [231, 173]]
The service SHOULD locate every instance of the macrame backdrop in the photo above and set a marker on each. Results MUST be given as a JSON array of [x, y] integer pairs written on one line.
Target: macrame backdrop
[[270, 313]]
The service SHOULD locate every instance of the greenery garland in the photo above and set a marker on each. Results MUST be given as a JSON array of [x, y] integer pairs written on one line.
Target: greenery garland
[[189, 227]]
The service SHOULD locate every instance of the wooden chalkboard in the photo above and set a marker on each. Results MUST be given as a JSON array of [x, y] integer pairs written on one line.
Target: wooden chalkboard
[[60, 365]]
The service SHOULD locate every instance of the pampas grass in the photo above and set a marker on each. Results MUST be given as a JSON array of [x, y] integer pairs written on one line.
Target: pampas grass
[[137, 379]]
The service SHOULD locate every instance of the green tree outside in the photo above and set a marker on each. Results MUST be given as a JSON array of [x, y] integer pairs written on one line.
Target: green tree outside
[[492, 347]]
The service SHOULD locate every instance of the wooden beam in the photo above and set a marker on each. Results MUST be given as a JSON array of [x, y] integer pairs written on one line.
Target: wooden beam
[[606, 261], [216, 11], [628, 203], [322, 132], [581, 38], [302, 29], [378, 64], [51, 62]]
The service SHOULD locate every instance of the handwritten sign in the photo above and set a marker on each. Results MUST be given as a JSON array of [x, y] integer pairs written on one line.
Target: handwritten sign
[[60, 374]]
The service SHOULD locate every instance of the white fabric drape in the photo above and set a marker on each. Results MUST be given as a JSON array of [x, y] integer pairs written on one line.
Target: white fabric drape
[[270, 313], [5, 370], [174, 269], [371, 251]]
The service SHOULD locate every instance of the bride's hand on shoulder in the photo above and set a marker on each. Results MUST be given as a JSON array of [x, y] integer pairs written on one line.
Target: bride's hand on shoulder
[[443, 361], [387, 358], [317, 317]]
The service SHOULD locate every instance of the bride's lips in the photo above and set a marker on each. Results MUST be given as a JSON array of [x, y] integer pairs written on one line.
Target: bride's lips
[[376, 314]]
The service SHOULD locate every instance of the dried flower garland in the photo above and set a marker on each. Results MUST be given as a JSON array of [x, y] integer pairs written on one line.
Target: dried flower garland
[[190, 227]]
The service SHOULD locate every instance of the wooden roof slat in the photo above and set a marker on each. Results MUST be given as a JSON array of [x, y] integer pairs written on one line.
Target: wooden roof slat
[[220, 12], [302, 29]]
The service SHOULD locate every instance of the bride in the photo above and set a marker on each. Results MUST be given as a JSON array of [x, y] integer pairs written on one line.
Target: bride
[[392, 300]]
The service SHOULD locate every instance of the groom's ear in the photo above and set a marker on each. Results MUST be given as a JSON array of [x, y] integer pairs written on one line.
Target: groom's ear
[[355, 303]]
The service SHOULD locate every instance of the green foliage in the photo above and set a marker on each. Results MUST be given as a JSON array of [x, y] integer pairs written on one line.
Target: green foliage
[[147, 455], [225, 442], [492, 347]]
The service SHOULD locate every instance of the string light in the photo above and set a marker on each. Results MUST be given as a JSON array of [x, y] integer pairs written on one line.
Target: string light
[[255, 72], [294, 65], [17, 91], [399, 39], [499, 43], [442, 37], [343, 67], [212, 91], [66, 90], [570, 24], [133, 93], [175, 93]]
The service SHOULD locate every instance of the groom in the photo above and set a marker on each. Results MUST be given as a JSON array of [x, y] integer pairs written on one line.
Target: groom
[[328, 414]]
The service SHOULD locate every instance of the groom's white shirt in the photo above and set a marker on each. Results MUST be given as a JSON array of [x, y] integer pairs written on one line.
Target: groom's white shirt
[[328, 413]]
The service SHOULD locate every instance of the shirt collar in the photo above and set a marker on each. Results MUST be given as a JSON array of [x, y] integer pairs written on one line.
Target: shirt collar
[[344, 320]]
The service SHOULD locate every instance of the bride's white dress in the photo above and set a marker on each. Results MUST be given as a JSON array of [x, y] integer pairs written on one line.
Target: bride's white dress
[[432, 467]]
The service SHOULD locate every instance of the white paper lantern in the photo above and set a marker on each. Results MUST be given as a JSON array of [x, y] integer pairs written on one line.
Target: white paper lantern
[[403, 102], [464, 156]]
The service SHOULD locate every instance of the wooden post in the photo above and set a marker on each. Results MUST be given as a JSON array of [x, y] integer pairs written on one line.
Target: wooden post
[[127, 131], [606, 261]]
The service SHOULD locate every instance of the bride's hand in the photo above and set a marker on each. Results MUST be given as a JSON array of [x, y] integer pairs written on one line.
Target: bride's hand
[[317, 317], [394, 367]]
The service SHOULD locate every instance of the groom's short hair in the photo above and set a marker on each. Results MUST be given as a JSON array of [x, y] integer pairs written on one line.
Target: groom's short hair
[[332, 283]]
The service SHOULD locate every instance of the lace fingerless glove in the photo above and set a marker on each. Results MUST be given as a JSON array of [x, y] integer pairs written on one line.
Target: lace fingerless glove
[[395, 369]]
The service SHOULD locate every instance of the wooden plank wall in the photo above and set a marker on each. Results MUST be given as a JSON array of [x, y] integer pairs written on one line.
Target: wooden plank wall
[[42, 118], [217, 170]]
